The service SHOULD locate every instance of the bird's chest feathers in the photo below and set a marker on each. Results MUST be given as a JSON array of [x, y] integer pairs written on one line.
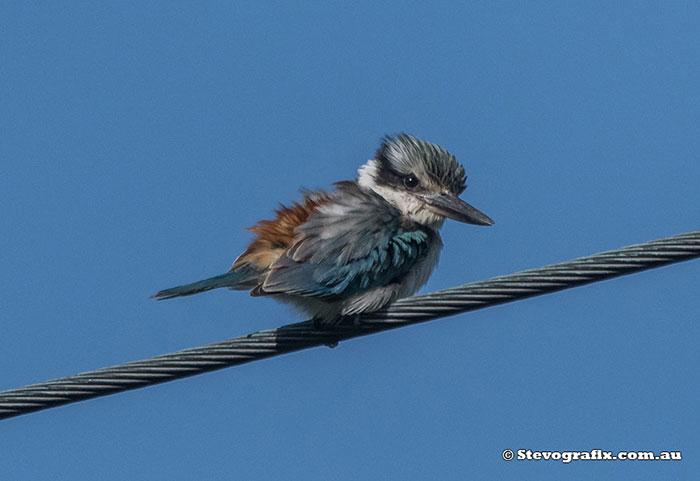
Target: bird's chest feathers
[[421, 272]]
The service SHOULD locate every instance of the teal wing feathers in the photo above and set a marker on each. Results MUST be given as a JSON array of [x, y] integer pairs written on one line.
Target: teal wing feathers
[[354, 243]]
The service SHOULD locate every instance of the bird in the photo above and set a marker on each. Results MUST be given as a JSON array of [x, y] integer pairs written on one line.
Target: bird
[[357, 248]]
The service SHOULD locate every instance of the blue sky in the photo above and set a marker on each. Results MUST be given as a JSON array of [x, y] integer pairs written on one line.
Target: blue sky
[[138, 139]]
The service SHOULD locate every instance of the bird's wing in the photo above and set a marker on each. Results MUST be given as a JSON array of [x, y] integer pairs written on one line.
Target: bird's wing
[[352, 244]]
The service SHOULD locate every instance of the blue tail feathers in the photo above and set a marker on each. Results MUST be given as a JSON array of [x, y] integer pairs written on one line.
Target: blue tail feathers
[[238, 279]]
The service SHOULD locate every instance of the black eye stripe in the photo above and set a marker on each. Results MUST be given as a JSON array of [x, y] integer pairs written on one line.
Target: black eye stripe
[[387, 175]]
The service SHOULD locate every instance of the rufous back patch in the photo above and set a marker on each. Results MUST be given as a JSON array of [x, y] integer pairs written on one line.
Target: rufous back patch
[[274, 237]]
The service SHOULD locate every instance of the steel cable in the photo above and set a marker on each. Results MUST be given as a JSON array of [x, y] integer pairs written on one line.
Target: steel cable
[[294, 337]]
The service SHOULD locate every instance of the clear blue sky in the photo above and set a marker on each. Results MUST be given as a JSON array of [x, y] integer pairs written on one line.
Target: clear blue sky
[[139, 139]]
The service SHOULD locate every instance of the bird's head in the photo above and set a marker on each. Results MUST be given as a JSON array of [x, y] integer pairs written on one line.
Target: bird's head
[[422, 180]]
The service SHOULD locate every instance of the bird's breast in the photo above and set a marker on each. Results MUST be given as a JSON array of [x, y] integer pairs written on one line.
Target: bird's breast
[[419, 275]]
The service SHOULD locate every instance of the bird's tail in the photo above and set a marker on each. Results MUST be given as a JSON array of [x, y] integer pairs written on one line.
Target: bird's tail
[[237, 279]]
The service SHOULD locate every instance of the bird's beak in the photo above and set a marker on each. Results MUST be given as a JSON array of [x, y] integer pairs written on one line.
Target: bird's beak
[[449, 205]]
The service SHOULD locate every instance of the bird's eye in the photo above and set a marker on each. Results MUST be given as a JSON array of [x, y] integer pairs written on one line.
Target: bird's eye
[[411, 181]]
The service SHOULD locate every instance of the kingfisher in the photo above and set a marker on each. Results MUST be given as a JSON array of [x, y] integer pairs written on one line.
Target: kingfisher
[[357, 248]]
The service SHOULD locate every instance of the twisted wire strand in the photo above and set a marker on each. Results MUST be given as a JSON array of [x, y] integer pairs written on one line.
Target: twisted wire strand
[[303, 335]]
